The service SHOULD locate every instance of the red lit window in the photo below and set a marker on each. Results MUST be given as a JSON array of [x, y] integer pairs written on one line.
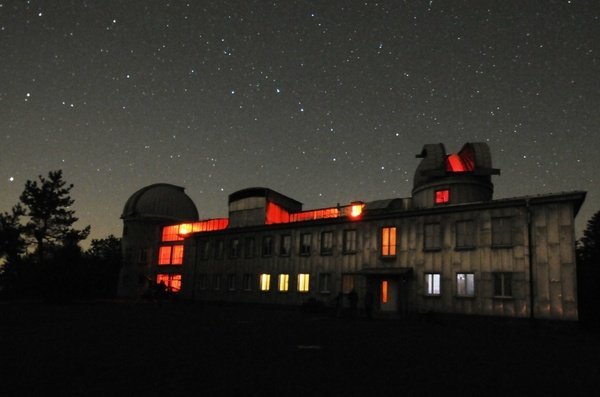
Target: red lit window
[[276, 214], [442, 196], [388, 241], [164, 255], [171, 233], [172, 281], [170, 255], [384, 291]]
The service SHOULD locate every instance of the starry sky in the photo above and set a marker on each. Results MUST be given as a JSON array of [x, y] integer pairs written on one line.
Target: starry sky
[[324, 101]]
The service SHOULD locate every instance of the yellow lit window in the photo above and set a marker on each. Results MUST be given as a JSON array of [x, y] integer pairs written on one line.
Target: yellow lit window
[[388, 241], [265, 282], [164, 255], [303, 282], [283, 282], [384, 291]]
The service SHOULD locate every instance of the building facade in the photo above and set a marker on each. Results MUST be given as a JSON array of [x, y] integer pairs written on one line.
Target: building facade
[[449, 248]]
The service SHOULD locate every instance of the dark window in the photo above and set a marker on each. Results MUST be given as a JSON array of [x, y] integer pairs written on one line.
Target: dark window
[[502, 232], [231, 282], [249, 247], [503, 284], [267, 246], [325, 282], [285, 246], [347, 283], [247, 282], [326, 243], [349, 241], [465, 234], [202, 281], [219, 247], [234, 248], [465, 284], [203, 248], [143, 255], [305, 242], [216, 281], [433, 237]]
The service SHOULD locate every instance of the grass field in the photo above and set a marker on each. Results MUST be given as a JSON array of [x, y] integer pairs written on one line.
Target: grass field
[[149, 349]]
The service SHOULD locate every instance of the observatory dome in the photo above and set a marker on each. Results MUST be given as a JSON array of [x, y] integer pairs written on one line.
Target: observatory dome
[[160, 201]]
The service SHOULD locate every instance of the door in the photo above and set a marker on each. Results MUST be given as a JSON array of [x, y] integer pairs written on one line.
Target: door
[[388, 296]]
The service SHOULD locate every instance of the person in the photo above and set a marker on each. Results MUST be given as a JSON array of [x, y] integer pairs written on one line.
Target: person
[[353, 298], [369, 304]]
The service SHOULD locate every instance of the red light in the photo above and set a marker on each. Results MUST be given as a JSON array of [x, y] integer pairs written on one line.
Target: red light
[[356, 210], [442, 196]]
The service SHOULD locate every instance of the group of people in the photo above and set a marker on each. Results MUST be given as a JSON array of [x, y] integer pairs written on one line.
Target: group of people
[[369, 302]]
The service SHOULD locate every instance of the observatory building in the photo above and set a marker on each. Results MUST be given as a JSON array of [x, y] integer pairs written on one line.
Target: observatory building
[[449, 248]]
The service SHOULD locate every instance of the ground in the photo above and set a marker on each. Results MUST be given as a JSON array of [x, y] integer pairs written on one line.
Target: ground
[[146, 348]]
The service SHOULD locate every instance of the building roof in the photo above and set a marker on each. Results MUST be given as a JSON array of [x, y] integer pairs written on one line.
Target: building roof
[[160, 201]]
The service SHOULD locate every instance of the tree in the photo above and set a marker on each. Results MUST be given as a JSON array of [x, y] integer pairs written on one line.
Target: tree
[[588, 273], [47, 205], [12, 247], [104, 263]]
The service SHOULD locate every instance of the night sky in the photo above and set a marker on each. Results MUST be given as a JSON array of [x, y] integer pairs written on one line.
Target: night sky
[[324, 101]]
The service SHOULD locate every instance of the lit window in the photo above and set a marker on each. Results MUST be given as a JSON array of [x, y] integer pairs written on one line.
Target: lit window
[[177, 255], [349, 241], [388, 241], [171, 281], [265, 282], [442, 196], [164, 255], [171, 233], [433, 237], [326, 243], [465, 284], [503, 284], [305, 242], [502, 232], [384, 291], [432, 283], [465, 234], [303, 282], [283, 282], [286, 245], [325, 282]]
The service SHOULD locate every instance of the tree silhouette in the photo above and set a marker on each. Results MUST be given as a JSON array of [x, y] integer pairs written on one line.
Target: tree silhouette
[[47, 205], [588, 272], [12, 246]]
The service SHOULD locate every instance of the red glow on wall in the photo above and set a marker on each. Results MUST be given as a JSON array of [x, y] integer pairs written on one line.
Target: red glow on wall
[[311, 215], [171, 281], [181, 231], [442, 196], [276, 214], [210, 225]]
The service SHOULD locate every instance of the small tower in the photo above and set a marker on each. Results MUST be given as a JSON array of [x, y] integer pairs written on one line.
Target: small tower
[[144, 215], [442, 179]]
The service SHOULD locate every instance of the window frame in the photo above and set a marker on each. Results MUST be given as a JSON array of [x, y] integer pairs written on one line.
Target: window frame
[[459, 243], [264, 282], [350, 245], [283, 282], [503, 280], [305, 249], [219, 248], [249, 247], [429, 284], [267, 246], [441, 196], [303, 283], [388, 247], [325, 283], [504, 235], [234, 247], [467, 276], [432, 238], [327, 249], [285, 245]]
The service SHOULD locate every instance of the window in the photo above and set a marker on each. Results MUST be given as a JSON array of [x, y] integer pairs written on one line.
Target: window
[[219, 249], [171, 233], [267, 246], [442, 196], [502, 232], [202, 281], [349, 241], [249, 247], [170, 255], [234, 248], [465, 284], [433, 237], [285, 246], [305, 240], [265, 282], [171, 281], [388, 241], [203, 249], [247, 282], [231, 282], [325, 282], [283, 282], [347, 283], [216, 281], [326, 243], [465, 234], [384, 291], [432, 283], [502, 284], [303, 282]]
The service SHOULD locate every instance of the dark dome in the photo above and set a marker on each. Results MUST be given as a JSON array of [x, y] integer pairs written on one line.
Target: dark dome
[[161, 201]]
